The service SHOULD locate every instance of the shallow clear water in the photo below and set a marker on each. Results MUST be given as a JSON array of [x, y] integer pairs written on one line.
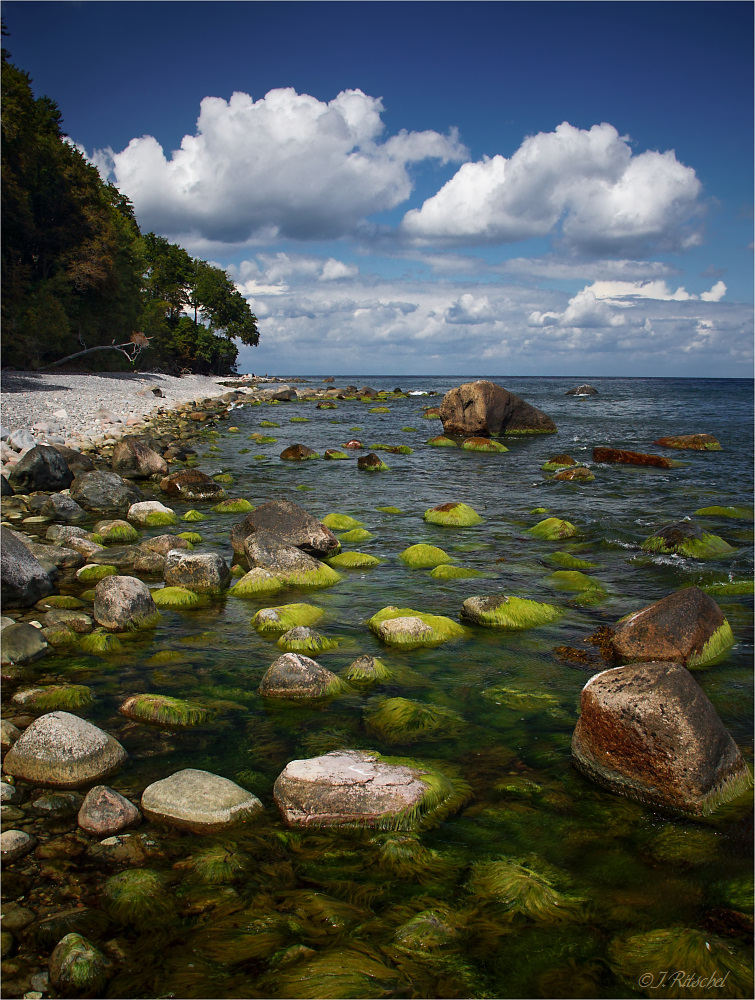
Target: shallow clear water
[[528, 800]]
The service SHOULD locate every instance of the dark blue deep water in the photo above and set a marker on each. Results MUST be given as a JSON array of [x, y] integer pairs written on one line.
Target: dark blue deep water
[[323, 914]]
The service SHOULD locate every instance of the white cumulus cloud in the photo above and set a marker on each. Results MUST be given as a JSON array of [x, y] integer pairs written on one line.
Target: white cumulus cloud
[[469, 309], [585, 182], [618, 290], [287, 165]]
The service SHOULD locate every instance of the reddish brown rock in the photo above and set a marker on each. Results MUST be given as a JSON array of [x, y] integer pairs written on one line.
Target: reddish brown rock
[[693, 442], [105, 812], [297, 453], [615, 456], [191, 484], [134, 459], [648, 731], [575, 472], [480, 409], [354, 443]]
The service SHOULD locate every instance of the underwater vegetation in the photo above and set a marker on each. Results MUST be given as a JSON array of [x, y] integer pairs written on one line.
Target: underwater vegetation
[[552, 529], [413, 628], [422, 556], [398, 721], [67, 697], [457, 515], [257, 582], [100, 643], [301, 639], [366, 671], [356, 535], [194, 515], [162, 710], [499, 611], [177, 597], [341, 522], [138, 897], [353, 560], [530, 888], [448, 572]]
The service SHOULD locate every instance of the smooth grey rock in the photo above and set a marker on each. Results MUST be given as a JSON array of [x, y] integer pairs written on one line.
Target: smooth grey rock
[[79, 621], [270, 551], [76, 461], [20, 439], [133, 458], [63, 751], [14, 844], [24, 579], [22, 643], [123, 603], [294, 525], [63, 508], [104, 492], [139, 513], [199, 801], [205, 573]]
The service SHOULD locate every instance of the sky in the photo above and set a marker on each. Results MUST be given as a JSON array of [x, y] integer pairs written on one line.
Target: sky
[[457, 188]]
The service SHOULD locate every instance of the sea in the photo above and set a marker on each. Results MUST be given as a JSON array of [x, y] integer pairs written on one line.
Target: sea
[[540, 883]]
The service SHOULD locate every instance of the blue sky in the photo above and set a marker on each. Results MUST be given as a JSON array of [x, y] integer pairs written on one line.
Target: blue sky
[[434, 188]]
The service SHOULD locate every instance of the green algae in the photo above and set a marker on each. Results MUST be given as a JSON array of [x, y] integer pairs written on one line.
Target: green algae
[[100, 643], [399, 721], [268, 423], [192, 537], [339, 973], [353, 560], [558, 462], [567, 561], [335, 455], [553, 529], [396, 449], [163, 710], [194, 515], [341, 522], [257, 582], [448, 572], [285, 617], [366, 672], [441, 629], [138, 897], [742, 513], [499, 611], [356, 535], [79, 968], [177, 597], [390, 510], [117, 531], [529, 888], [224, 477], [61, 601], [519, 700], [685, 845], [56, 697], [483, 445], [218, 864], [729, 588], [408, 429], [721, 640], [233, 506], [441, 441], [322, 576], [94, 572], [457, 515], [302, 639], [708, 546], [298, 420], [574, 580], [422, 556]]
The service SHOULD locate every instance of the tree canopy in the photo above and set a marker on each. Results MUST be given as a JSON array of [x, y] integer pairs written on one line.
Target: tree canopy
[[77, 272]]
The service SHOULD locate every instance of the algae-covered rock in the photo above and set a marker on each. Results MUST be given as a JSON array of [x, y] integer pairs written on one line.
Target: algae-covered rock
[[294, 526], [138, 897], [580, 473], [334, 455], [285, 617], [78, 968], [341, 522], [456, 515], [687, 961], [482, 444], [553, 529], [499, 611], [354, 788], [192, 537], [356, 535], [688, 539], [302, 639], [448, 572], [520, 700], [151, 514], [288, 563], [410, 629], [258, 582], [366, 671], [630, 718], [529, 888], [567, 561], [296, 676], [95, 572], [743, 513], [575, 580], [54, 697], [353, 560], [123, 603], [558, 462], [176, 597], [162, 710], [422, 556], [339, 973], [399, 721], [233, 506], [193, 516], [117, 531], [441, 441], [371, 463], [199, 801], [100, 642], [693, 442], [729, 588]]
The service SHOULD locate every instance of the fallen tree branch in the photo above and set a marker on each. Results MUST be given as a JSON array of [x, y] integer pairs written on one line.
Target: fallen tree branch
[[131, 350]]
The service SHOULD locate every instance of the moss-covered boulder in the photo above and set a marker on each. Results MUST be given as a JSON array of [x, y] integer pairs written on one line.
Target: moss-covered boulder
[[176, 597], [693, 442], [686, 626], [579, 473], [151, 514], [557, 462], [367, 671], [258, 582], [294, 676], [285, 617], [499, 611], [687, 539], [743, 513], [576, 581], [422, 556], [233, 506], [482, 444], [371, 463], [302, 639], [441, 441], [528, 888], [93, 573], [455, 515], [78, 968], [287, 563], [334, 455], [116, 532], [356, 535], [568, 561], [353, 560], [354, 788], [409, 629], [193, 516], [163, 710], [400, 721], [553, 529], [341, 522], [53, 698], [630, 718]]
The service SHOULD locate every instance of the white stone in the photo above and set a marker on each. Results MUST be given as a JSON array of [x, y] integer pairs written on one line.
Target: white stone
[[199, 801]]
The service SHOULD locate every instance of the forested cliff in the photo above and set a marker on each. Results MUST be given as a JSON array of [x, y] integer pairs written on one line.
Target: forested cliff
[[77, 273]]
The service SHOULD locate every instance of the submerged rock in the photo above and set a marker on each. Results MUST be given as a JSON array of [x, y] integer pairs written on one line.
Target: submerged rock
[[552, 529], [687, 539], [366, 671], [580, 473], [105, 812], [499, 611], [400, 721], [422, 556], [78, 968], [410, 629], [63, 751], [686, 626], [302, 639], [294, 675], [484, 408], [162, 710], [23, 643], [199, 801], [692, 442], [648, 731], [613, 456]]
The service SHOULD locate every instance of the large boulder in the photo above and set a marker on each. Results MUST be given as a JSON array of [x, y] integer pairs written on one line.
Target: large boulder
[[648, 731], [483, 408], [134, 459], [24, 579], [354, 788], [686, 538], [292, 523], [41, 468], [61, 507], [22, 643], [296, 676], [686, 626], [199, 801], [123, 603], [204, 573], [76, 461], [64, 751], [104, 492], [191, 484], [289, 564]]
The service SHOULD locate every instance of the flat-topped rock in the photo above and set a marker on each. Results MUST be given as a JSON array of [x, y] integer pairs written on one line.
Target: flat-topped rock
[[292, 523], [693, 442], [648, 731], [350, 787], [199, 801], [63, 751], [191, 484], [104, 492], [619, 456], [483, 408], [202, 572]]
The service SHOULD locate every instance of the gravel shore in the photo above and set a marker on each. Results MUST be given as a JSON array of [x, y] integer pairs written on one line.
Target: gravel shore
[[68, 407]]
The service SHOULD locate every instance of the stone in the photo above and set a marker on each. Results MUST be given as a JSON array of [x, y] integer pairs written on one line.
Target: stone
[[612, 456], [199, 801], [499, 611], [14, 844], [205, 573], [296, 676], [62, 507], [191, 484], [116, 530], [76, 461], [151, 513], [580, 473], [41, 468], [405, 630], [124, 603], [451, 514], [8, 734], [292, 523], [686, 538], [78, 968], [22, 643], [693, 442], [291, 565], [648, 731], [483, 408], [105, 812], [21, 439], [24, 579], [104, 492], [353, 788], [298, 453], [686, 626], [134, 459], [582, 390], [370, 462], [163, 544], [63, 751]]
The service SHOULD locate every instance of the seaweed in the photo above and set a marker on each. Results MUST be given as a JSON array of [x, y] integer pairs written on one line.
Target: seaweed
[[399, 721], [422, 556], [177, 597], [529, 888]]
